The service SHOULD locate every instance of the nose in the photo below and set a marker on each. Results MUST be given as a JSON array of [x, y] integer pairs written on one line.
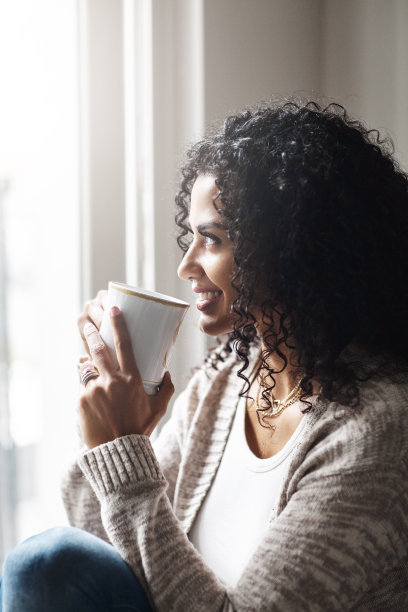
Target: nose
[[189, 267]]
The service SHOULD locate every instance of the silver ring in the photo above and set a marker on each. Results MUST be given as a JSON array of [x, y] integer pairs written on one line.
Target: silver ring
[[87, 371]]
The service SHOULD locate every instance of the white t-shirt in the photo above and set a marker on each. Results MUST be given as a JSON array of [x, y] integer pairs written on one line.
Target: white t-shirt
[[234, 516]]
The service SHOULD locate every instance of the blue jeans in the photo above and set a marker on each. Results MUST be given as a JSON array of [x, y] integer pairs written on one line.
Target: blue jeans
[[68, 570]]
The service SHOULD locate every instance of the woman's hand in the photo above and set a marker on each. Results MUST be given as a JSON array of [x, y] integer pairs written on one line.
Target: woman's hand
[[115, 403], [92, 313]]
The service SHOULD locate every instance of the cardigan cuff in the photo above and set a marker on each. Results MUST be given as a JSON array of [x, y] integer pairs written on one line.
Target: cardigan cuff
[[114, 465]]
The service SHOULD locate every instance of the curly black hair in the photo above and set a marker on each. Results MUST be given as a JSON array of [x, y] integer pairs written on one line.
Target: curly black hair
[[317, 209]]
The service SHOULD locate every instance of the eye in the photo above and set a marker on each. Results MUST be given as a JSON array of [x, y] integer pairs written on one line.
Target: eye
[[210, 239]]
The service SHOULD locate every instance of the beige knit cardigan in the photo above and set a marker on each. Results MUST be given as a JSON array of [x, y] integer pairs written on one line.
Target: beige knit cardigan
[[338, 539]]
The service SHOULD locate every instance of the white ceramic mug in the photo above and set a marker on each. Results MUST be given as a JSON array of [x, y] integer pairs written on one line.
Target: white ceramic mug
[[153, 321]]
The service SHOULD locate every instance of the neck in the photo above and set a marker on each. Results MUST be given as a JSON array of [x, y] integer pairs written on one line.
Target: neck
[[286, 379]]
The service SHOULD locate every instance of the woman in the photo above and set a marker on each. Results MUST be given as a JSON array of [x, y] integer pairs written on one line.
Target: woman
[[280, 480]]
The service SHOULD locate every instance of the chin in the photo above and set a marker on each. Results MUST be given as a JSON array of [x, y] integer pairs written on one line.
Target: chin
[[216, 327]]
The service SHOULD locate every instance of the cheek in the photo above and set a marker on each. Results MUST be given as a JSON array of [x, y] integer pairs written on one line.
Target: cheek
[[214, 269], [219, 270], [227, 280], [225, 271]]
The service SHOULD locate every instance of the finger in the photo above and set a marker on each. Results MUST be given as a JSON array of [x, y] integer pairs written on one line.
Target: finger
[[98, 350], [86, 366], [165, 392], [82, 359], [123, 344], [90, 315], [87, 372], [82, 319], [93, 312]]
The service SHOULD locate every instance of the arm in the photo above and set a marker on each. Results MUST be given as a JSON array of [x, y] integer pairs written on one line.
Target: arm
[[332, 542], [311, 557], [82, 505]]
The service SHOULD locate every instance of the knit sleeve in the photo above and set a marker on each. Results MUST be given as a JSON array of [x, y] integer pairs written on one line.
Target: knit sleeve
[[138, 516], [82, 505], [340, 531]]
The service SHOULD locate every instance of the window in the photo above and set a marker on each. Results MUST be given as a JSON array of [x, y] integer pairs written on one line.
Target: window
[[39, 259], [88, 160]]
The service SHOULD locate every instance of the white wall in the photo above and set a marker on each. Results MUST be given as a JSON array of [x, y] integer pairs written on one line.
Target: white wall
[[259, 48], [365, 50], [352, 51]]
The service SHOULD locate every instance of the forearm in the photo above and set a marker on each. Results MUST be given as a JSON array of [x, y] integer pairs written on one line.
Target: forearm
[[141, 524], [83, 507]]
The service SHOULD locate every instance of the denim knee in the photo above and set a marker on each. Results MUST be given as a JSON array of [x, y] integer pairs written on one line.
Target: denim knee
[[44, 565], [48, 554], [69, 569]]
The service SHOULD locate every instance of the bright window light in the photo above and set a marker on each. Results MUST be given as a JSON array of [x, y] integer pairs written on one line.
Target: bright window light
[[39, 179]]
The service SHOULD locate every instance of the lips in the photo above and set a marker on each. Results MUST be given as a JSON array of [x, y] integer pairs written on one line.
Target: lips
[[206, 298]]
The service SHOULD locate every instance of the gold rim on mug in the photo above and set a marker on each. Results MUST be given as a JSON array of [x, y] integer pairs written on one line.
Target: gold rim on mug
[[165, 302]]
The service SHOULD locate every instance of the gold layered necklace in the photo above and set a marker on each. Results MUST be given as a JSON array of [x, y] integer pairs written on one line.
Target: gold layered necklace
[[277, 406]]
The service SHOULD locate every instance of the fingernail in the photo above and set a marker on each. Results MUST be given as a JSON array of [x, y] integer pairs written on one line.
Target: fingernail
[[114, 311]]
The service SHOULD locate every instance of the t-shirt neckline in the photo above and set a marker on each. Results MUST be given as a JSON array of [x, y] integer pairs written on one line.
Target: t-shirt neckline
[[257, 464]]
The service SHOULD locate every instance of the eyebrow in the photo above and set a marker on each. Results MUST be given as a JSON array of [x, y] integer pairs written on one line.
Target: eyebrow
[[210, 225]]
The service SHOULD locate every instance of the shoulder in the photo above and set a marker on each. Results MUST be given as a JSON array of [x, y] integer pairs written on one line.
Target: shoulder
[[369, 437], [209, 383], [211, 388]]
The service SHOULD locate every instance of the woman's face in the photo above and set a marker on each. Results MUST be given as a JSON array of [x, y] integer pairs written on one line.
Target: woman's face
[[209, 262]]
